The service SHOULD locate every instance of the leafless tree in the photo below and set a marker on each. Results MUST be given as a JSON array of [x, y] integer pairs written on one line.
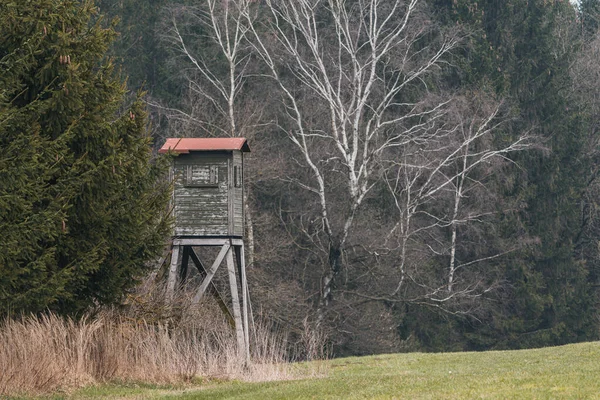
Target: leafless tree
[[431, 184], [218, 61], [210, 40], [356, 83], [353, 76]]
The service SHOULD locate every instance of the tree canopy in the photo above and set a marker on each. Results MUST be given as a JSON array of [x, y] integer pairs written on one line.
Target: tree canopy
[[81, 206], [423, 175]]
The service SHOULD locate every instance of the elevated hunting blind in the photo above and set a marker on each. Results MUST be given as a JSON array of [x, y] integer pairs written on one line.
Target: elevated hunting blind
[[208, 206], [208, 179]]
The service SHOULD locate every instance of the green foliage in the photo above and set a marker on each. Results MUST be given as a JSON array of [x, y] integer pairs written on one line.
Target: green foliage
[[522, 50], [139, 49], [589, 13], [80, 207]]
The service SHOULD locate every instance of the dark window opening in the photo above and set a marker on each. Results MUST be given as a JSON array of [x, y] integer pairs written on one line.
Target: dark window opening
[[202, 176]]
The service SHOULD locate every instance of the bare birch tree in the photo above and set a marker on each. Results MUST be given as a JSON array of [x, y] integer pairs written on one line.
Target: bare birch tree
[[353, 76], [431, 184], [217, 60], [356, 80], [210, 40]]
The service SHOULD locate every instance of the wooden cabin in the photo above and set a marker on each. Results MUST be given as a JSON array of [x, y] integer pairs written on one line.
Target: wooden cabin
[[208, 180]]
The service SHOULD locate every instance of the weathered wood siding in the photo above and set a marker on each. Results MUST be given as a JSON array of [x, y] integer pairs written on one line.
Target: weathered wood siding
[[238, 194], [208, 194], [201, 204]]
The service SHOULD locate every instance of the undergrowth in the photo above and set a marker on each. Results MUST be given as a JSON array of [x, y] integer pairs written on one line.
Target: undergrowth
[[145, 341]]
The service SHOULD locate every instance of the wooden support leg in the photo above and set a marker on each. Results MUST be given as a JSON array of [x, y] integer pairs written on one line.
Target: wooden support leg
[[239, 330], [241, 262], [172, 279]]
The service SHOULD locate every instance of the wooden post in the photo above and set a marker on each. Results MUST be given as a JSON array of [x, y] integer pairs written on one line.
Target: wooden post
[[237, 315], [241, 262], [172, 279], [239, 309]]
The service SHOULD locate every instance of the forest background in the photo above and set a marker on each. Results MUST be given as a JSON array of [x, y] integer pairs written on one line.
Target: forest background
[[423, 175]]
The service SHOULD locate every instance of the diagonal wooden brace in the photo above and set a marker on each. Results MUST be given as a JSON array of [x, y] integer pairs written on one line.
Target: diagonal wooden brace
[[172, 279], [211, 273]]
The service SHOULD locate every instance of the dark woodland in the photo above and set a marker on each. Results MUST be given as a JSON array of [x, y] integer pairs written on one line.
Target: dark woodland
[[423, 173]]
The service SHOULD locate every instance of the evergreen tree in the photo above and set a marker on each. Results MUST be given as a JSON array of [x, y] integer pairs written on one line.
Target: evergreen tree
[[522, 50], [137, 47], [81, 205], [589, 14], [140, 48]]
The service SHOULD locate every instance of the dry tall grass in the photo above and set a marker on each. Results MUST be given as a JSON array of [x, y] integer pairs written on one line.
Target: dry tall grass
[[147, 341]]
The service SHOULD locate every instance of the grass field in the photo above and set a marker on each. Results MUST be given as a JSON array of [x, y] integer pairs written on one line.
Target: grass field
[[571, 371]]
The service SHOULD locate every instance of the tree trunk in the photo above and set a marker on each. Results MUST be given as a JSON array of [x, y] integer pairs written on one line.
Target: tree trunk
[[328, 281]]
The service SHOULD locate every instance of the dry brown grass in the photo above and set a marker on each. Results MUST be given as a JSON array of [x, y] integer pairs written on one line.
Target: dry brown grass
[[146, 341]]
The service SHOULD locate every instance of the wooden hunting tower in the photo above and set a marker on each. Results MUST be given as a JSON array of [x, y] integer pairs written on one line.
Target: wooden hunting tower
[[208, 179], [208, 206]]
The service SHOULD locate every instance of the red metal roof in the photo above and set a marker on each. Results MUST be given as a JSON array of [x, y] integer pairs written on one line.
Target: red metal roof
[[185, 145]]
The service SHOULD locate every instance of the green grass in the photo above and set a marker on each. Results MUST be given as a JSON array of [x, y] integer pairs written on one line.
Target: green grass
[[571, 371]]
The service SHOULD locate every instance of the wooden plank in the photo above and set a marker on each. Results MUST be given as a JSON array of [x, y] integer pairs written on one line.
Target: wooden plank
[[207, 194], [211, 273], [197, 202], [214, 216], [218, 210], [207, 241], [189, 222], [238, 216], [195, 231], [200, 241], [213, 225], [206, 191], [230, 197], [187, 225], [238, 211], [172, 279], [237, 316], [192, 204], [191, 214]]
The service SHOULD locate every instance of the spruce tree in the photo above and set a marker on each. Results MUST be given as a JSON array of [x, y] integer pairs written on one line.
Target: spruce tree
[[589, 14], [137, 48], [81, 204], [522, 50]]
